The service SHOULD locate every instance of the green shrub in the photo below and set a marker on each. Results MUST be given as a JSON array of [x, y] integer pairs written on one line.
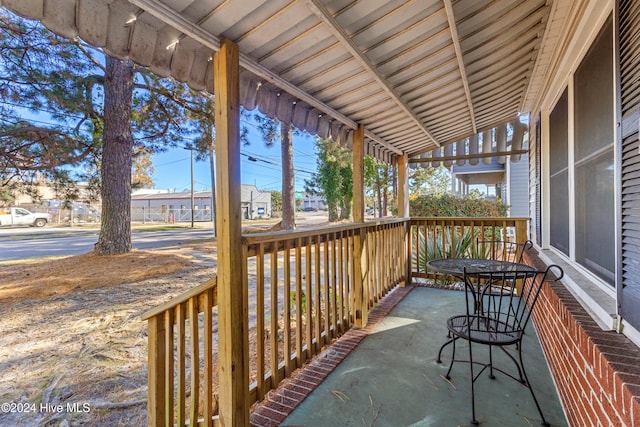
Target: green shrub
[[448, 205]]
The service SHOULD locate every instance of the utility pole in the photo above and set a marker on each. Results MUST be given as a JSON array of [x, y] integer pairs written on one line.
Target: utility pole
[[193, 204]]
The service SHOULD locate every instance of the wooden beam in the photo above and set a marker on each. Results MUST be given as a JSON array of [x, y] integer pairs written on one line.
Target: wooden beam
[[467, 156], [463, 72], [233, 350]]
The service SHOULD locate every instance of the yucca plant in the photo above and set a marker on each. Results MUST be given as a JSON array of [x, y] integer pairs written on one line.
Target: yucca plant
[[440, 246]]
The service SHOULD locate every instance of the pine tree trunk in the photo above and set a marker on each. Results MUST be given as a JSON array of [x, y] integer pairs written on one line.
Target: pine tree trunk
[[333, 211], [385, 192], [288, 195], [345, 212], [117, 151], [379, 194]]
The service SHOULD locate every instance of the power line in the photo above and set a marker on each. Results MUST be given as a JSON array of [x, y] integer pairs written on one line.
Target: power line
[[42, 110], [257, 159], [173, 162]]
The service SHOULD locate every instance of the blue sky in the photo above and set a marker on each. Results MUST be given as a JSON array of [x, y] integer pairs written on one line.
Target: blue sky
[[172, 169]]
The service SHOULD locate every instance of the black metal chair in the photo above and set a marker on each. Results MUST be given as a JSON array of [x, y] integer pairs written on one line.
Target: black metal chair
[[504, 251], [498, 321]]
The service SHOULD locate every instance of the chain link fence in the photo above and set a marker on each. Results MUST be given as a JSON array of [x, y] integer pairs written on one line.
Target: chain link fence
[[162, 214]]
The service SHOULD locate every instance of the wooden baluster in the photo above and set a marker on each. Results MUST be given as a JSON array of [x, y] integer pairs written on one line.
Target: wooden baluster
[[275, 374], [208, 356], [348, 292], [182, 356], [388, 265], [299, 293], [169, 381], [341, 280], [327, 309], [195, 357], [260, 335], [287, 309], [309, 298], [374, 238], [417, 229], [318, 286], [334, 285]]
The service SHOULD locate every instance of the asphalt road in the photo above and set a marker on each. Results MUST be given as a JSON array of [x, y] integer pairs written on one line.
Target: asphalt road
[[29, 242], [33, 243]]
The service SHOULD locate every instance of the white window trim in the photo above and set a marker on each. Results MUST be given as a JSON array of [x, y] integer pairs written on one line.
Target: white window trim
[[586, 288], [598, 298]]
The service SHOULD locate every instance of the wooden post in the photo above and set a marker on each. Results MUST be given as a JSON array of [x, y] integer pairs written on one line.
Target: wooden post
[[361, 307], [403, 212], [358, 174], [233, 350], [521, 230], [403, 186]]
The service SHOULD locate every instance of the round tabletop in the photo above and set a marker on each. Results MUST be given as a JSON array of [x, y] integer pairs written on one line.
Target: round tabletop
[[457, 266]]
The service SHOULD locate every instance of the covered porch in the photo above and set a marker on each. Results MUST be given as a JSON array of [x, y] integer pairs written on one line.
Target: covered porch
[[403, 82]]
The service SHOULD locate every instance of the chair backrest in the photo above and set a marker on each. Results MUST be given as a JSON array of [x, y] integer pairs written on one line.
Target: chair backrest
[[501, 250], [509, 310]]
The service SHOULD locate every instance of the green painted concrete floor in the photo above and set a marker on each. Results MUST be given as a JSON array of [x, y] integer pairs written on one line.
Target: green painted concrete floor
[[392, 378]]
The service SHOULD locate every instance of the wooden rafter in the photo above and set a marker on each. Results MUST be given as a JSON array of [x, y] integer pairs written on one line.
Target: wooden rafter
[[321, 12], [463, 73], [171, 17]]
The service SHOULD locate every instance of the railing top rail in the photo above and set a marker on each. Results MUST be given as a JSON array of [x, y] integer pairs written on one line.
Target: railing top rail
[[471, 219], [184, 297], [274, 236]]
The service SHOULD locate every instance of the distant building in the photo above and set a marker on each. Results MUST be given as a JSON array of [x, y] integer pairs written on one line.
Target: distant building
[[316, 203], [511, 177], [165, 206]]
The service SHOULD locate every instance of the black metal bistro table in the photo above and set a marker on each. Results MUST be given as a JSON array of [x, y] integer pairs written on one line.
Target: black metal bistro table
[[457, 266]]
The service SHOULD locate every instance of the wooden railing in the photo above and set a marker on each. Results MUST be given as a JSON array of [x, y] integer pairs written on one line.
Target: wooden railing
[[304, 289], [451, 237], [181, 354], [307, 292]]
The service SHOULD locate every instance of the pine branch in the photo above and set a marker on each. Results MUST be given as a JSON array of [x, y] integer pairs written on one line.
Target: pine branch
[[31, 131], [88, 54], [165, 93]]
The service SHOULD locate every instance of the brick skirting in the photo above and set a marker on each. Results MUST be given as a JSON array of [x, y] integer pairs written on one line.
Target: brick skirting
[[279, 403], [597, 372]]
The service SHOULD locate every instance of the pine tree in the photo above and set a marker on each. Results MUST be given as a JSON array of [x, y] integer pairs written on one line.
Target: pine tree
[[273, 131], [101, 110], [334, 179]]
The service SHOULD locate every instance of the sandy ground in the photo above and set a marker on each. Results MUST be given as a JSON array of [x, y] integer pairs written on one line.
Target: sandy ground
[[73, 350]]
